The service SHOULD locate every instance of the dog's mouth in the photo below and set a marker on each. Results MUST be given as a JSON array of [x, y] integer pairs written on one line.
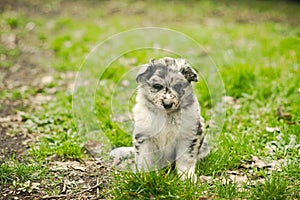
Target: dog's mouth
[[167, 106]]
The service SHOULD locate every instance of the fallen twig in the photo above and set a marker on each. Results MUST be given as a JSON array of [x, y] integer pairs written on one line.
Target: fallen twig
[[72, 195]]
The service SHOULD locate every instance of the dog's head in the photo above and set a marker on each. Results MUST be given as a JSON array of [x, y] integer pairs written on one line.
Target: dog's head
[[165, 83]]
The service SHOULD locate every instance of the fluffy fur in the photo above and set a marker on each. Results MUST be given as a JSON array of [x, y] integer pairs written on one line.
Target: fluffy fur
[[168, 125]]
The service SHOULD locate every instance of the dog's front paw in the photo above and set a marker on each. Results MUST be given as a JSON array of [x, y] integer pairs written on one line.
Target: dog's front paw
[[186, 175]]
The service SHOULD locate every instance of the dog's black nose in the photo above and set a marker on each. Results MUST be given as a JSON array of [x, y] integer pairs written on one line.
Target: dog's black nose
[[167, 105]]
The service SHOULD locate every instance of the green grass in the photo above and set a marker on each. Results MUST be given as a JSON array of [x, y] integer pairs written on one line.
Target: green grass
[[8, 56], [14, 170], [58, 131], [160, 185], [256, 48], [165, 184], [12, 26], [65, 146]]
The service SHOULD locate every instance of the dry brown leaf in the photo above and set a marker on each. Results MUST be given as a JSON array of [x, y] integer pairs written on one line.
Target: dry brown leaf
[[78, 167], [9, 40], [63, 166], [203, 178], [41, 99], [231, 101], [5, 119], [260, 164], [283, 115], [30, 26], [238, 178], [257, 163], [47, 79]]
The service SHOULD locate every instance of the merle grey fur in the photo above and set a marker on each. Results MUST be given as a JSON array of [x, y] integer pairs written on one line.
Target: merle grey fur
[[167, 123]]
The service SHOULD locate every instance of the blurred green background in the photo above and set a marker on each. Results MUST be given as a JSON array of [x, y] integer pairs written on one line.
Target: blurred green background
[[255, 45]]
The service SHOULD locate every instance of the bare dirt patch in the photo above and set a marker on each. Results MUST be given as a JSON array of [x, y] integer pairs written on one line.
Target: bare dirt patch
[[69, 180], [25, 89]]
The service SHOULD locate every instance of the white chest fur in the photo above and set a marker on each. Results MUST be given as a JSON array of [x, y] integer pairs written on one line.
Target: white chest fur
[[165, 131]]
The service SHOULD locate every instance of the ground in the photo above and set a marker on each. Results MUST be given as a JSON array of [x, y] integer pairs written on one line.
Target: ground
[[24, 88], [255, 46]]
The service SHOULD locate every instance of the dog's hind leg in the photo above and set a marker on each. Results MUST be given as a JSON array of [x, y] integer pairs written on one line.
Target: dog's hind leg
[[122, 152]]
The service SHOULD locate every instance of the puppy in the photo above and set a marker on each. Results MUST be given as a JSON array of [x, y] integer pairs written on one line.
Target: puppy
[[167, 123]]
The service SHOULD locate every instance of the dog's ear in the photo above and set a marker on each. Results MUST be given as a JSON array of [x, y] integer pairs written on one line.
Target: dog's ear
[[144, 73], [189, 73], [183, 67]]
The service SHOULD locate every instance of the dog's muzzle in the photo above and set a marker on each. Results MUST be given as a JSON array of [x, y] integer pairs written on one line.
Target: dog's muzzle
[[168, 100]]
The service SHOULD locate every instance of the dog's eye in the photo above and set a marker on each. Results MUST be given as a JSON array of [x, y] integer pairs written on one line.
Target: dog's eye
[[179, 88], [158, 86]]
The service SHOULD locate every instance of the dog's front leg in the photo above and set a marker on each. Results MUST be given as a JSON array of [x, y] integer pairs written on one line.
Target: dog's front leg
[[186, 160], [144, 153], [186, 167]]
